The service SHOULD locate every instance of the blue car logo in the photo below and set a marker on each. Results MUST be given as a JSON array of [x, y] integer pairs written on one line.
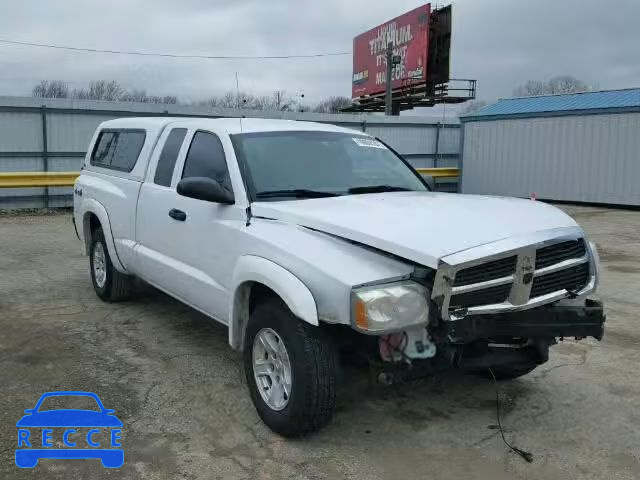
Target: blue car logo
[[103, 429]]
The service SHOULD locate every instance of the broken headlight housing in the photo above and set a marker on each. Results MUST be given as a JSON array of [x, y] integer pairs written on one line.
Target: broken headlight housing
[[390, 307]]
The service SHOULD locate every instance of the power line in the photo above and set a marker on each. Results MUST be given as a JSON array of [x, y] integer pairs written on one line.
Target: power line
[[173, 55]]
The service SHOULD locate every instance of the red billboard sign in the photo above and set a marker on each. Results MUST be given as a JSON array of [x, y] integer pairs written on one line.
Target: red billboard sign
[[409, 34]]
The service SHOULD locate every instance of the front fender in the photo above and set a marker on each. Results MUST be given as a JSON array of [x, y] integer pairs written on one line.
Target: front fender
[[87, 206], [253, 269]]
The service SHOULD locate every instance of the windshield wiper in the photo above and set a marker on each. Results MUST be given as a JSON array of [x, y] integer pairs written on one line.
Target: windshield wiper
[[378, 189], [297, 193]]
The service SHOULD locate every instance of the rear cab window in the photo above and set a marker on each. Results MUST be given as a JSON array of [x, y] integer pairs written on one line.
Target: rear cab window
[[118, 149]]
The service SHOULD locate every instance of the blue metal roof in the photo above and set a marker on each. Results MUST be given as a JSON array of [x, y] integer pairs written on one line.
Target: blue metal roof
[[535, 106]]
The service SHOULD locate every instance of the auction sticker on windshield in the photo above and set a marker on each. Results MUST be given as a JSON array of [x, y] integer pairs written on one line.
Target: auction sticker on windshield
[[69, 425], [368, 142]]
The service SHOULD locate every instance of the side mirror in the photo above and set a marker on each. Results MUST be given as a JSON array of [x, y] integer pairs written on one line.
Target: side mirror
[[204, 188], [29, 410], [429, 180]]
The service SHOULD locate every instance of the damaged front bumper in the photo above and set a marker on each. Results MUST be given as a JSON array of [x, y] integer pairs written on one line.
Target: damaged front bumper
[[511, 339], [568, 318]]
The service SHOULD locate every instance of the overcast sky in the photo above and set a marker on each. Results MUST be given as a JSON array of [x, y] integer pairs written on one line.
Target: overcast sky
[[502, 43]]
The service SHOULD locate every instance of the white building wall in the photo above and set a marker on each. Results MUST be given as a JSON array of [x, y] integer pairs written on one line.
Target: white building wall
[[577, 158]]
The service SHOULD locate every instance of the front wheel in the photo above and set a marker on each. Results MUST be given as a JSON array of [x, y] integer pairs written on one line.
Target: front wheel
[[291, 369]]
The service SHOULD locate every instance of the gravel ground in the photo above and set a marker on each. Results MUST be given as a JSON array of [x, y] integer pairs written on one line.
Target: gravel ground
[[179, 390]]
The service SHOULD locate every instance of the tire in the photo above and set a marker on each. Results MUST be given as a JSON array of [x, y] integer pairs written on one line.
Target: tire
[[114, 286], [313, 365], [506, 373]]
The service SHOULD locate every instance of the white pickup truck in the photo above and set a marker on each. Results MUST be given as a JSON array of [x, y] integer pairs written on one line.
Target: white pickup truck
[[316, 244]]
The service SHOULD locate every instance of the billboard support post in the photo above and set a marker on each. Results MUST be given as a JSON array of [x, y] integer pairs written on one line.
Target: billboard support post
[[388, 105]]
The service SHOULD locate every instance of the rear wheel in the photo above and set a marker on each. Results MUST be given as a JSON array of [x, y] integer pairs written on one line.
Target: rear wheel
[[291, 369], [109, 284]]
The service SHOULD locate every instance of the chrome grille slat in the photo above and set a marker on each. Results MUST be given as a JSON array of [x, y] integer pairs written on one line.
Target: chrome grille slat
[[482, 285], [572, 262], [558, 252], [570, 279], [497, 294], [486, 271]]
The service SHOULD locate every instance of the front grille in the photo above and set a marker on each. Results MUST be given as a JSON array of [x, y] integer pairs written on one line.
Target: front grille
[[486, 296], [559, 252], [571, 279], [560, 267], [486, 271]]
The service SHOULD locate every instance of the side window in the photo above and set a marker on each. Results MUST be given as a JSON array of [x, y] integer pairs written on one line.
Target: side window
[[168, 157], [206, 159], [103, 152], [118, 149]]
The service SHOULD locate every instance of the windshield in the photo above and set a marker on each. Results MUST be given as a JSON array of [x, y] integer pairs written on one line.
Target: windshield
[[307, 164]]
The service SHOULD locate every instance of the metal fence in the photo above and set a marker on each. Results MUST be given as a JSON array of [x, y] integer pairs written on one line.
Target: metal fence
[[39, 135]]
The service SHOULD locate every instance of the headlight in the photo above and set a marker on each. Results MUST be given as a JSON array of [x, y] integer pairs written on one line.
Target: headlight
[[393, 306]]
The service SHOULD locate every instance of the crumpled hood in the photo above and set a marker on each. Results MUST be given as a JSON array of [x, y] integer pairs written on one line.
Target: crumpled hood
[[419, 226]]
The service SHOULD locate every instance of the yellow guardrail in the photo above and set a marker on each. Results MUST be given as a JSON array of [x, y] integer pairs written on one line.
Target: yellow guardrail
[[67, 179], [37, 179], [440, 172]]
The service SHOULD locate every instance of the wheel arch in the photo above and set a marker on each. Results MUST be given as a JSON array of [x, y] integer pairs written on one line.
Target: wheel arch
[[255, 277], [94, 215]]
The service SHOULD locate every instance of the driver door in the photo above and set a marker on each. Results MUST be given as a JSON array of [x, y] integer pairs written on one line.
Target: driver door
[[187, 245]]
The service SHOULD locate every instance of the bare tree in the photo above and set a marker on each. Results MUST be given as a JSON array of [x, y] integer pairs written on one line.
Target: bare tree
[[567, 84], [228, 100], [98, 90], [332, 105], [111, 90], [255, 102], [530, 89], [51, 89], [135, 96], [472, 106], [108, 90], [168, 99], [141, 96], [556, 85], [279, 100]]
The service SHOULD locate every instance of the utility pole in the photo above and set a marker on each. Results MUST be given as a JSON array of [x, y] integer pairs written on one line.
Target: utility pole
[[388, 105], [392, 61]]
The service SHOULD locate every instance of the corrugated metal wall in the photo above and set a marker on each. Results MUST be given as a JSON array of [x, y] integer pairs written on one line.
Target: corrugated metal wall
[[576, 158], [68, 126]]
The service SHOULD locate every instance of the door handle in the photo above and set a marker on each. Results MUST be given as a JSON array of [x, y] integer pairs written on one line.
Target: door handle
[[177, 214]]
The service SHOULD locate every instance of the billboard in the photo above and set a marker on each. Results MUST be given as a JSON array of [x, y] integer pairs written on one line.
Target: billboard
[[409, 34]]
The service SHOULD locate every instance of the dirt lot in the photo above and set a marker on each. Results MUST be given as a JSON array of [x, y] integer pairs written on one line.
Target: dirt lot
[[178, 388]]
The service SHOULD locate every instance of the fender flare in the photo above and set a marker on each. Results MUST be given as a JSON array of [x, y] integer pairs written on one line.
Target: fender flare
[[90, 205], [253, 269]]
